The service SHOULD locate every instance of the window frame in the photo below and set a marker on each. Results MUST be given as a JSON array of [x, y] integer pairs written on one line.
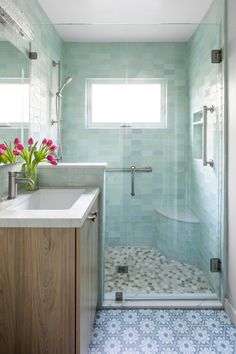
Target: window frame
[[18, 81], [158, 125]]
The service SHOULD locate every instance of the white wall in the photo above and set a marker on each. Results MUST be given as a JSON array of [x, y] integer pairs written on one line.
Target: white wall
[[231, 303]]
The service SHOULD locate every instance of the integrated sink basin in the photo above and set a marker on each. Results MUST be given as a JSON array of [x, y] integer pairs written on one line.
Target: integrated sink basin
[[48, 207], [50, 199]]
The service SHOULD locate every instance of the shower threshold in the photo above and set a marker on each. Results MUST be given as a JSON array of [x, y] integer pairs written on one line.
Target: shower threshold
[[162, 296], [156, 304], [164, 301]]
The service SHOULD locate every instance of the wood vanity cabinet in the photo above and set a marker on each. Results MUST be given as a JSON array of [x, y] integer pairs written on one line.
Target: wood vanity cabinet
[[48, 289]]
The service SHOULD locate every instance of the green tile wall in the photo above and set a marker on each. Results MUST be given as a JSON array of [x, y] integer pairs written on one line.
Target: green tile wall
[[130, 221]]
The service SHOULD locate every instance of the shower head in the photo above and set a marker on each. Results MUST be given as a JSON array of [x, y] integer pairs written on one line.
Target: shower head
[[66, 82]]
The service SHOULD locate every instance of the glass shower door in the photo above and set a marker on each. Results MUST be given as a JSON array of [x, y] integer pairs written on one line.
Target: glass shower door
[[163, 225], [124, 260]]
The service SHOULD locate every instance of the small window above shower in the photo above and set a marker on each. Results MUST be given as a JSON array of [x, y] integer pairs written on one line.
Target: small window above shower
[[122, 103]]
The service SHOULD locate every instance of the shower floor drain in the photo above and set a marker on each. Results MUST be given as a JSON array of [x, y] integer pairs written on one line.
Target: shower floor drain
[[123, 269]]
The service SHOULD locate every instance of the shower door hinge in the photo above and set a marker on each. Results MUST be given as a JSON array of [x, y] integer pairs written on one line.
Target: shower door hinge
[[215, 265], [33, 55], [216, 56]]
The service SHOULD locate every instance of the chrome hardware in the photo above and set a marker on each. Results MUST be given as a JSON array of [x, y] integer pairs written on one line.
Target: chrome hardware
[[119, 296], [33, 55], [13, 181], [204, 137], [133, 170], [216, 56], [59, 117], [215, 265], [93, 216], [13, 16]]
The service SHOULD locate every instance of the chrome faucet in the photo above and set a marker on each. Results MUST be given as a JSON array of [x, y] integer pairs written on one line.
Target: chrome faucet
[[13, 181]]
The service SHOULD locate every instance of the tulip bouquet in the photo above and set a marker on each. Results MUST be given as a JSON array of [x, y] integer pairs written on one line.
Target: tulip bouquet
[[31, 156]]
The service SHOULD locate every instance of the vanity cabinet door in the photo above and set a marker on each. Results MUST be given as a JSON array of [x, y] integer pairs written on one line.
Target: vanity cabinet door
[[37, 291], [48, 289], [87, 282], [9, 287]]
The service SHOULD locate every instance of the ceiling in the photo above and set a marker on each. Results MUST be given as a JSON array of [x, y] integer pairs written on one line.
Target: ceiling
[[125, 20]]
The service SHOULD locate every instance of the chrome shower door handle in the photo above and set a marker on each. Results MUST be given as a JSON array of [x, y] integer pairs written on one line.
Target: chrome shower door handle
[[204, 137], [133, 171]]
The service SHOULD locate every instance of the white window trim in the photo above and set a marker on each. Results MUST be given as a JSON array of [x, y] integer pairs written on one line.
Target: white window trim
[[16, 80], [159, 125]]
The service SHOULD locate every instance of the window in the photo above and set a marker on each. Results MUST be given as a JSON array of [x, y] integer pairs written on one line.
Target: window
[[136, 103], [14, 102]]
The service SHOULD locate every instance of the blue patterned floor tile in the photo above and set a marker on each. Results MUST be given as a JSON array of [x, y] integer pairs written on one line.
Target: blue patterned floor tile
[[163, 332]]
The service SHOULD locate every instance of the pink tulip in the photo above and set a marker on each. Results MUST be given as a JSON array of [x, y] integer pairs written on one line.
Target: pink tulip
[[49, 142], [2, 152], [3, 147], [20, 147], [53, 148], [44, 142], [50, 158], [31, 141], [16, 152], [54, 162], [16, 141]]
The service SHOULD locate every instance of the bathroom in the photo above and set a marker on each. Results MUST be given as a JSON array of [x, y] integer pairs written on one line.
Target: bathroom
[[132, 108]]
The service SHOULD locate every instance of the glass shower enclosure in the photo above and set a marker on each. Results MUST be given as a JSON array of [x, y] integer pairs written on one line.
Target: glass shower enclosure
[[164, 181], [149, 101]]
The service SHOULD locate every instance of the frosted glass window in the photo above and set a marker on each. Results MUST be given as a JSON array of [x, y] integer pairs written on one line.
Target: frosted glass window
[[116, 103], [14, 103]]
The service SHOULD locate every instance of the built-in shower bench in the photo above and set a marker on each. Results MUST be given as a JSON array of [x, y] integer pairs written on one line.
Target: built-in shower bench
[[180, 214], [177, 233]]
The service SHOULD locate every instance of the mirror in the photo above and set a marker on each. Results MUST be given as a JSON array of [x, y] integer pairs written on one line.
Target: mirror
[[14, 91]]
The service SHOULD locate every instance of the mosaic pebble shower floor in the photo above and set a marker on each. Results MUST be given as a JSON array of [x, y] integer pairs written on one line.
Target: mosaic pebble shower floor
[[150, 272], [163, 332]]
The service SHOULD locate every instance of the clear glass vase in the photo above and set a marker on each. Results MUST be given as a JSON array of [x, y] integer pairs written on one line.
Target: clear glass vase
[[31, 173]]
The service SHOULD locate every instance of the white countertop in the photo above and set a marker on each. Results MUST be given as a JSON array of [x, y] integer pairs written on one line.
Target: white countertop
[[11, 216]]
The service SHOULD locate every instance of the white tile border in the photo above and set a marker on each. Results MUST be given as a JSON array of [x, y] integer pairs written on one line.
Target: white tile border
[[230, 310]]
